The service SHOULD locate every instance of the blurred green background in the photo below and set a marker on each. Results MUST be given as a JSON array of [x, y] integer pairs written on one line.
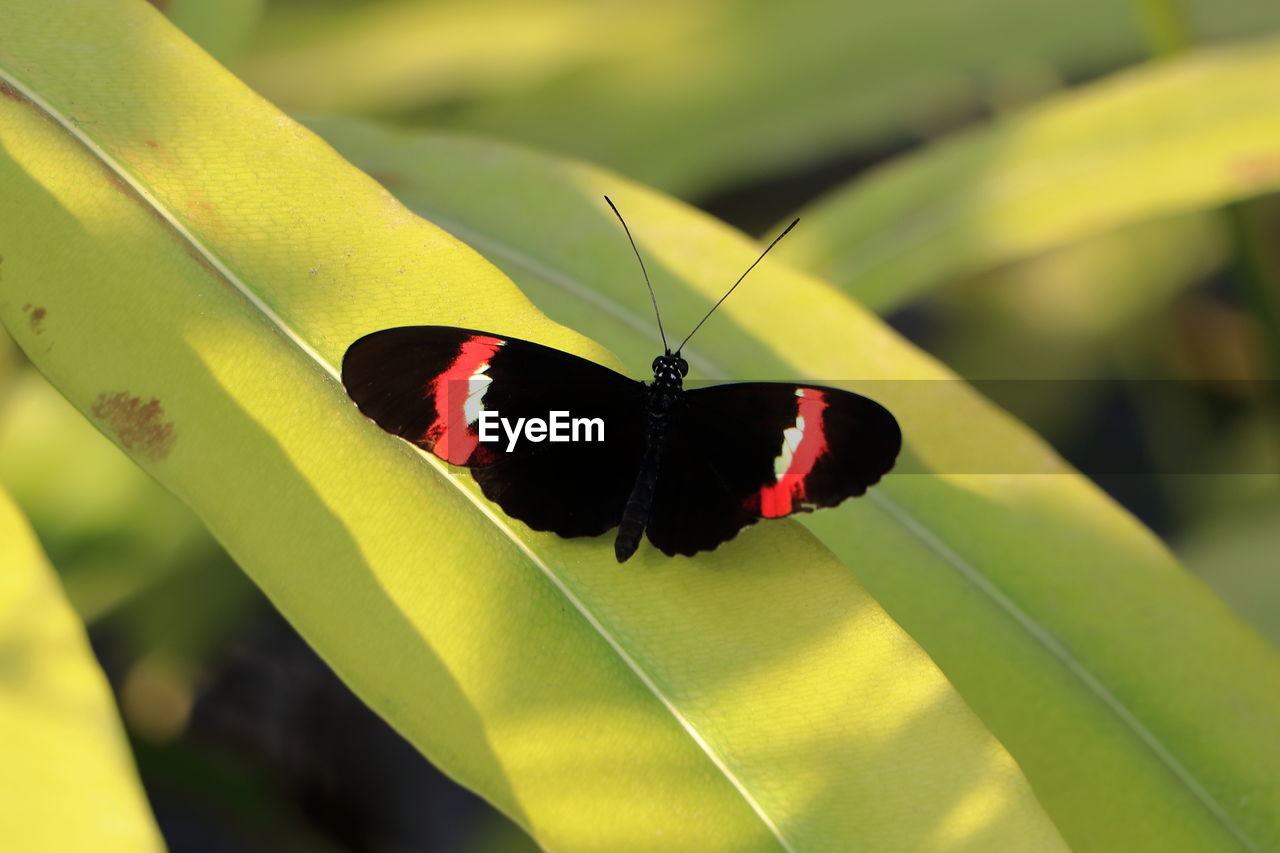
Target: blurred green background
[[753, 111]]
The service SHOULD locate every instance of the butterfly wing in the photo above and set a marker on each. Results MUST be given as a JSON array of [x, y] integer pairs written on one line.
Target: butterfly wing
[[431, 384], [740, 452]]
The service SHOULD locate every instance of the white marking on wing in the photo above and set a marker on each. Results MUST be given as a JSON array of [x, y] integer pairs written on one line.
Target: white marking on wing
[[477, 384], [791, 438]]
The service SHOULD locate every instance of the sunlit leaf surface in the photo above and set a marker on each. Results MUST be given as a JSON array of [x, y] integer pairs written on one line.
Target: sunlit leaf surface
[[187, 265]]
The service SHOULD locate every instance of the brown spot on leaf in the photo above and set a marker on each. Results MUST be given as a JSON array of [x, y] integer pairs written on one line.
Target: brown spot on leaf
[[122, 186], [116, 182], [203, 213], [119, 183], [37, 318], [139, 427], [151, 143], [13, 94]]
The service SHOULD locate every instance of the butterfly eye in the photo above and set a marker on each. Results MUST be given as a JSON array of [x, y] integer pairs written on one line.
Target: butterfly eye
[[656, 362], [684, 367]]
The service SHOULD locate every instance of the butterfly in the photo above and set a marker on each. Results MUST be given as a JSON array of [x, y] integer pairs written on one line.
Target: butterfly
[[568, 445]]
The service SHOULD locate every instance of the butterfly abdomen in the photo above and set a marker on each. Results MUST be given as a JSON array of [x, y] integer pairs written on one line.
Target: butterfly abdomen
[[635, 515]]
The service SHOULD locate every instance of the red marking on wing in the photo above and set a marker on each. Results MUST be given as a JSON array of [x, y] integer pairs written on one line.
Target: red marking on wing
[[779, 499], [450, 436]]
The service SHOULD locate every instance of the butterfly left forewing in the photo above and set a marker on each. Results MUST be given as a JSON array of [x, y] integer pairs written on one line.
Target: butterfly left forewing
[[430, 384], [765, 450]]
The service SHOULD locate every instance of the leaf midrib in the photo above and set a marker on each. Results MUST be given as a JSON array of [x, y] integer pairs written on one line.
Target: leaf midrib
[[275, 319]]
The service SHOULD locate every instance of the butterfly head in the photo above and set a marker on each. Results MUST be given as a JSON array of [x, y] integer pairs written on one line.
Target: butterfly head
[[670, 370]]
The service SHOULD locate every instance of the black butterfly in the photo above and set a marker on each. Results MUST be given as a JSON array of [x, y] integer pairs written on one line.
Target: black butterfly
[[689, 468]]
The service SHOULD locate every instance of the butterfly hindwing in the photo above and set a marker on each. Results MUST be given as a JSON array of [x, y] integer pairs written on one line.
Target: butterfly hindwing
[[430, 384], [739, 452], [694, 507]]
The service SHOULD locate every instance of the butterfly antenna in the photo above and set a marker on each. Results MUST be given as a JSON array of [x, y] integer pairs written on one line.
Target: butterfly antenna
[[738, 282], [643, 271]]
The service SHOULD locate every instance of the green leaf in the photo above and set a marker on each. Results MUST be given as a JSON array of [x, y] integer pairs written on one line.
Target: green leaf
[[187, 266], [1226, 552], [1140, 709], [1166, 138], [67, 781], [690, 97]]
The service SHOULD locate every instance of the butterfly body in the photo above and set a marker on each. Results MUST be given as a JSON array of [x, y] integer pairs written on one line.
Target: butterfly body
[[687, 468], [663, 397]]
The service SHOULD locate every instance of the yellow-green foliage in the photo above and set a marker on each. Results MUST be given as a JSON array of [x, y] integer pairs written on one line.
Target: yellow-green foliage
[[67, 781], [187, 264]]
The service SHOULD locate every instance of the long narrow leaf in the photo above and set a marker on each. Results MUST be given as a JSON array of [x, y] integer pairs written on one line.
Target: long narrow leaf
[[187, 265], [1178, 136], [67, 781]]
